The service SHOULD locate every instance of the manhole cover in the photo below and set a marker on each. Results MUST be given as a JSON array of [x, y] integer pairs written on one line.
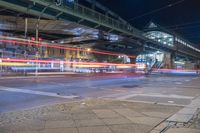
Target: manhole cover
[[130, 86]]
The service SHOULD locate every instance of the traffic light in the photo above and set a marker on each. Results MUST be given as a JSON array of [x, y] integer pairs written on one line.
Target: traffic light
[[32, 38], [39, 39]]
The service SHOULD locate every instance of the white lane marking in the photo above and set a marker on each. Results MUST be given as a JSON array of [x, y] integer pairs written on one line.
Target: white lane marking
[[156, 95], [187, 80], [36, 92], [178, 83], [170, 101]]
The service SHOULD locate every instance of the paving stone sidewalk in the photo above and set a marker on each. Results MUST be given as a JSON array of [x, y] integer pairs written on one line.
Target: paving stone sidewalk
[[186, 120], [191, 127], [89, 116]]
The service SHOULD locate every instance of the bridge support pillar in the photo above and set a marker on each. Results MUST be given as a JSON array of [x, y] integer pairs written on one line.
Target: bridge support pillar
[[197, 65], [172, 59], [133, 60], [168, 60]]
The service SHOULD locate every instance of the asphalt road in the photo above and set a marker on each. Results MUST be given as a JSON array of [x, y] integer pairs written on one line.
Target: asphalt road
[[21, 93]]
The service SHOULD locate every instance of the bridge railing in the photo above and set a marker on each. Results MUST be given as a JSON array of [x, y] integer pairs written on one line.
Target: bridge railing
[[100, 18]]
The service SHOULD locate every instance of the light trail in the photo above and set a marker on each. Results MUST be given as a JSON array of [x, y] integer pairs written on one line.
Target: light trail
[[40, 44], [14, 64], [179, 71], [64, 62]]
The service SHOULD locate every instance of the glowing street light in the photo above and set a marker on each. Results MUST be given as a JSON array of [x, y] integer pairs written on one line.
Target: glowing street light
[[88, 49]]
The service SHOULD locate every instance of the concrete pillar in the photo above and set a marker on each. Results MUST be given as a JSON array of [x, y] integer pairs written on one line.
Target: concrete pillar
[[198, 64], [168, 60], [172, 59]]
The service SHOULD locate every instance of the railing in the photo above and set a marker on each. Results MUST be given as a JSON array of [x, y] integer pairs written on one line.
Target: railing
[[156, 65], [91, 14]]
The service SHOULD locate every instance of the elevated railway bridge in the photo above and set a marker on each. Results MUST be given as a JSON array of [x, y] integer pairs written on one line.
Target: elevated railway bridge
[[50, 18]]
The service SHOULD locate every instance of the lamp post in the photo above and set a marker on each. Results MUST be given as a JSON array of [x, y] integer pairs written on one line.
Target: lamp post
[[36, 68], [1, 61]]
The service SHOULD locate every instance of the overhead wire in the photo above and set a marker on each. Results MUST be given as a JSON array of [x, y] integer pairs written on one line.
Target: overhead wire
[[184, 25], [157, 10]]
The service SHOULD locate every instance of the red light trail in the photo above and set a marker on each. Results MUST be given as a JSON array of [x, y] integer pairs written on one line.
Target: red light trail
[[39, 44], [64, 62]]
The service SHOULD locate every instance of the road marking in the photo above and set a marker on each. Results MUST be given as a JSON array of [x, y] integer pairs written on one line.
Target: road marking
[[36, 92], [170, 101], [187, 80], [178, 83], [156, 95], [63, 85]]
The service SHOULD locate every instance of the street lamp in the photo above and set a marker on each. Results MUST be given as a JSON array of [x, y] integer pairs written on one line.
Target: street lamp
[[88, 49], [1, 72], [36, 68], [1, 66]]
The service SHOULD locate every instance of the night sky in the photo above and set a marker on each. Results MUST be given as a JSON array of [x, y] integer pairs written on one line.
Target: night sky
[[183, 18]]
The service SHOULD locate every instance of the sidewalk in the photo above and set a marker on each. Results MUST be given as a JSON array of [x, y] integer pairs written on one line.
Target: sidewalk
[[89, 116]]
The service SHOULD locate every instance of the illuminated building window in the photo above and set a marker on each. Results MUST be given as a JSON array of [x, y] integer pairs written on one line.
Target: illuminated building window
[[161, 37]]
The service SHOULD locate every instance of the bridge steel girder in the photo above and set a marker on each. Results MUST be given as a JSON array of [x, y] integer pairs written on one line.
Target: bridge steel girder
[[26, 10], [100, 20]]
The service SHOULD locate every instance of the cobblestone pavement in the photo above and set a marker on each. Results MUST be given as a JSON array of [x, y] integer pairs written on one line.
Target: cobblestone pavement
[[89, 116], [191, 127], [186, 120], [196, 122]]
